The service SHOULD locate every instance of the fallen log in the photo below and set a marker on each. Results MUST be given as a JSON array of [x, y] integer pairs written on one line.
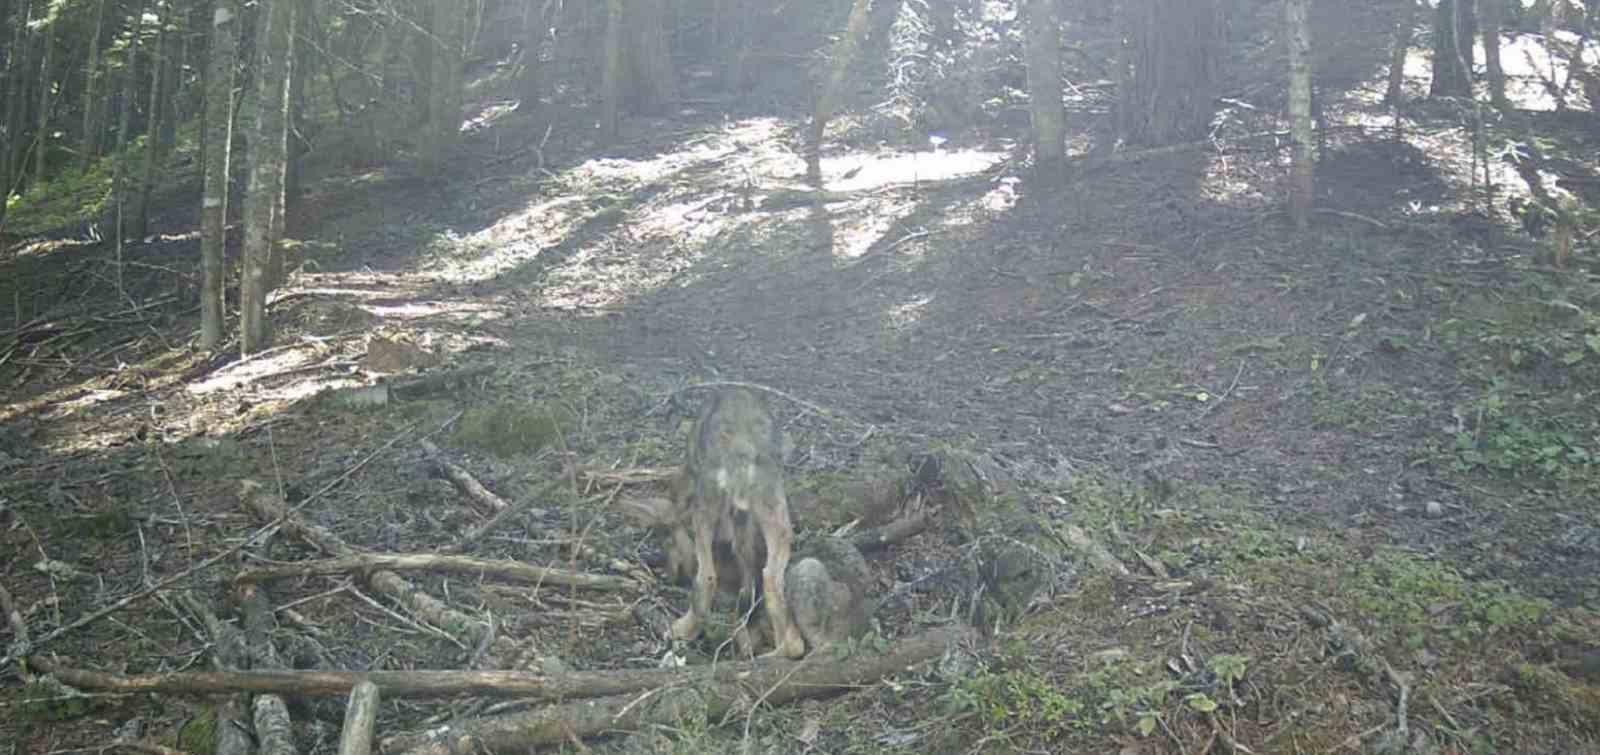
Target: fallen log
[[504, 569], [713, 692]]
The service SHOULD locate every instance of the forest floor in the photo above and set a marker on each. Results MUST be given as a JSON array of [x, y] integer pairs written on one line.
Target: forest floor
[[1352, 473]]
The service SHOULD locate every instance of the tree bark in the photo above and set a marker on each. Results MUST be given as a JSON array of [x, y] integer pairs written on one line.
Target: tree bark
[[11, 86], [423, 35], [652, 76], [1169, 70], [1453, 31], [172, 77], [1045, 102], [152, 141], [535, 39], [190, 102], [1399, 49], [299, 70], [91, 96], [120, 186], [611, 72], [1302, 164], [828, 93], [445, 109], [217, 148], [1490, 13], [41, 135], [264, 197]]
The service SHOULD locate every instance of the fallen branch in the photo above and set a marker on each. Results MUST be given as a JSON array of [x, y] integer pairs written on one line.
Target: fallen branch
[[360, 718], [708, 691], [527, 686], [466, 482], [896, 531], [271, 718], [502, 651], [501, 568], [476, 532], [629, 476], [233, 724]]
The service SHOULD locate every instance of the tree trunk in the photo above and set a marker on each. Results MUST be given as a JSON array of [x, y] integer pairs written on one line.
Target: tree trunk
[[191, 100], [172, 77], [1044, 91], [1453, 31], [844, 49], [91, 96], [152, 141], [1302, 165], [444, 110], [268, 145], [730, 30], [652, 77], [1400, 48], [217, 148], [1490, 13], [1170, 67], [536, 34], [611, 72], [11, 87], [120, 185], [424, 41], [299, 70], [41, 135]]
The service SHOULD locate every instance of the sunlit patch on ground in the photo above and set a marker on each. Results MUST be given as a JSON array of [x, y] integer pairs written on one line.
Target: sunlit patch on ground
[[908, 312], [1528, 65], [242, 373], [1001, 198], [855, 237], [902, 168]]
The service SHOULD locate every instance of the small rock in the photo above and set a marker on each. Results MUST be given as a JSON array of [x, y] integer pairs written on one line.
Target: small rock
[[1434, 509]]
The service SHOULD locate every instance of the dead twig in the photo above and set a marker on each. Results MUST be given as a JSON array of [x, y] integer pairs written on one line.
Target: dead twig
[[627, 475], [504, 569], [479, 530], [1352, 216]]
